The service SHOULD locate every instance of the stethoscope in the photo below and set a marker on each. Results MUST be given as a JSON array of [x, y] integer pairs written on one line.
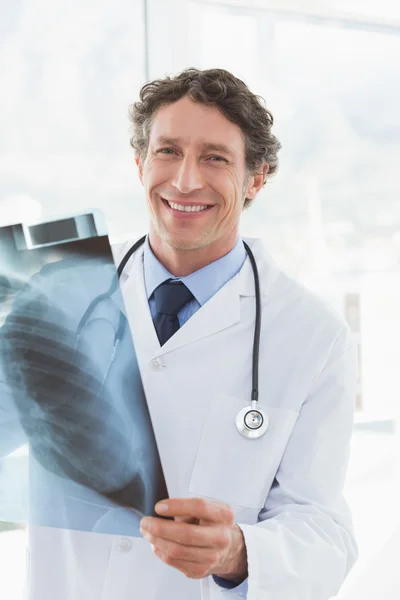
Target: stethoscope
[[251, 422]]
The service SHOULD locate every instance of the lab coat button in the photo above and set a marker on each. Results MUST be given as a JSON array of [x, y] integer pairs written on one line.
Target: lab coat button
[[158, 364], [124, 545]]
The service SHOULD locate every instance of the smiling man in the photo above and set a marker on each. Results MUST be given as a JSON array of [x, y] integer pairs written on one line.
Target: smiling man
[[256, 518]]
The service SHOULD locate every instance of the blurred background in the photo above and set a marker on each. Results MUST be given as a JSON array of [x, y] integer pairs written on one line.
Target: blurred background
[[330, 74]]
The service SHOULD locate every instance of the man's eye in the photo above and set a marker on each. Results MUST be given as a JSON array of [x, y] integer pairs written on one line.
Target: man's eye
[[166, 151], [216, 158]]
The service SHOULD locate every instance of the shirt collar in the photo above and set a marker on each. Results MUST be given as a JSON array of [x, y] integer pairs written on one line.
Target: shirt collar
[[203, 283]]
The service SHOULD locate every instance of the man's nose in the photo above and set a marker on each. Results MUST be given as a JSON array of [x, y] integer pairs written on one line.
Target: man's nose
[[188, 176]]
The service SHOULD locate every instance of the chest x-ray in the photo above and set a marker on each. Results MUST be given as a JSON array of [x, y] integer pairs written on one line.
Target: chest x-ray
[[70, 386]]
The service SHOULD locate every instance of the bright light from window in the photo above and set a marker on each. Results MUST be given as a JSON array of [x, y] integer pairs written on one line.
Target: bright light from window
[[384, 9], [19, 208]]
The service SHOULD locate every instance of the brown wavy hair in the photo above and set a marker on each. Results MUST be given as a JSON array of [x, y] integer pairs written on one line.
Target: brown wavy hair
[[216, 87]]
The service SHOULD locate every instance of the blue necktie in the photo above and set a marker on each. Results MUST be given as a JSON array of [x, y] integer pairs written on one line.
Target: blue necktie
[[169, 298]]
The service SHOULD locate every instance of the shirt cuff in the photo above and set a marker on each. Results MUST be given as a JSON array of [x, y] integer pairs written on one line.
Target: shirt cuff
[[238, 588]]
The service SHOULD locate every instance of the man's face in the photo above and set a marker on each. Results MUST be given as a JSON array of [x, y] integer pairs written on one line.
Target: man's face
[[195, 177]]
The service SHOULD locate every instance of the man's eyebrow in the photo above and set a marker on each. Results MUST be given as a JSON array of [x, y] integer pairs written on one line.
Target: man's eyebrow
[[169, 141], [218, 148], [207, 146]]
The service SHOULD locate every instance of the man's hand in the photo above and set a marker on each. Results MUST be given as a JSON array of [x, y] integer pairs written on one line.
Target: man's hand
[[202, 540]]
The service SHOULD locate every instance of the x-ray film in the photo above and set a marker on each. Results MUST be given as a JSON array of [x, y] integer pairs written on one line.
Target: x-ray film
[[77, 446]]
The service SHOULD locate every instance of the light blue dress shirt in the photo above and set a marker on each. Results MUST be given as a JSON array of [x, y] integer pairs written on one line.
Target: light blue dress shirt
[[203, 284]]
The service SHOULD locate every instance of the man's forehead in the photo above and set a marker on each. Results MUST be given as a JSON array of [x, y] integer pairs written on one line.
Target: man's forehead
[[188, 123]]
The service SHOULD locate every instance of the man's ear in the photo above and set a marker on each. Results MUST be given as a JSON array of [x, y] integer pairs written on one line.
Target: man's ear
[[255, 182], [139, 165]]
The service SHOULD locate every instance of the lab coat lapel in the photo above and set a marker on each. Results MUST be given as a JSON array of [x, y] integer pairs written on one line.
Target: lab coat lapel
[[137, 310], [223, 309]]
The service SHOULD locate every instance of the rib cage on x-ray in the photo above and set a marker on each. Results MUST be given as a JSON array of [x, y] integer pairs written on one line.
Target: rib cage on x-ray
[[68, 416]]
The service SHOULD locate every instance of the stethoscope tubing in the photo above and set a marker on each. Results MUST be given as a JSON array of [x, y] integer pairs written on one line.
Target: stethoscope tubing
[[122, 320]]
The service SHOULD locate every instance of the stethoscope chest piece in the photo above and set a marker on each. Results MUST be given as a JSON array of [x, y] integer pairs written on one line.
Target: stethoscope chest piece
[[252, 422]]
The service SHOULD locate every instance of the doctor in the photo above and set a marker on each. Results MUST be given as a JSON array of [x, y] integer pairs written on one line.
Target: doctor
[[262, 518], [204, 149]]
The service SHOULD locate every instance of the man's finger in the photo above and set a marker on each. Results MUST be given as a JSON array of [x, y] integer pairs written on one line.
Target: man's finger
[[197, 508], [186, 533], [204, 556]]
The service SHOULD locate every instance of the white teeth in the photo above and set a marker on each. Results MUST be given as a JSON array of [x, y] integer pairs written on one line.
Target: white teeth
[[183, 208]]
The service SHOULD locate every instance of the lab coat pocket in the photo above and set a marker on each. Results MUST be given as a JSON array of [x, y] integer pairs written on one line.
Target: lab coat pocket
[[235, 469]]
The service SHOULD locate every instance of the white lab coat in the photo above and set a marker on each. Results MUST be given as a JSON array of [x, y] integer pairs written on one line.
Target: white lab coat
[[285, 488]]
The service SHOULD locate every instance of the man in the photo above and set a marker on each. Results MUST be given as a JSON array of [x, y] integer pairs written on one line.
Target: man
[[251, 518]]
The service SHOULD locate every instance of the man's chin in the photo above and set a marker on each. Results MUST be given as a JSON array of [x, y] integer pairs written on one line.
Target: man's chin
[[184, 244], [184, 240]]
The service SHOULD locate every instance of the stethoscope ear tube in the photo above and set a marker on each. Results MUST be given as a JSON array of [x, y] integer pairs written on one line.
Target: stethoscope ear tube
[[127, 256]]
